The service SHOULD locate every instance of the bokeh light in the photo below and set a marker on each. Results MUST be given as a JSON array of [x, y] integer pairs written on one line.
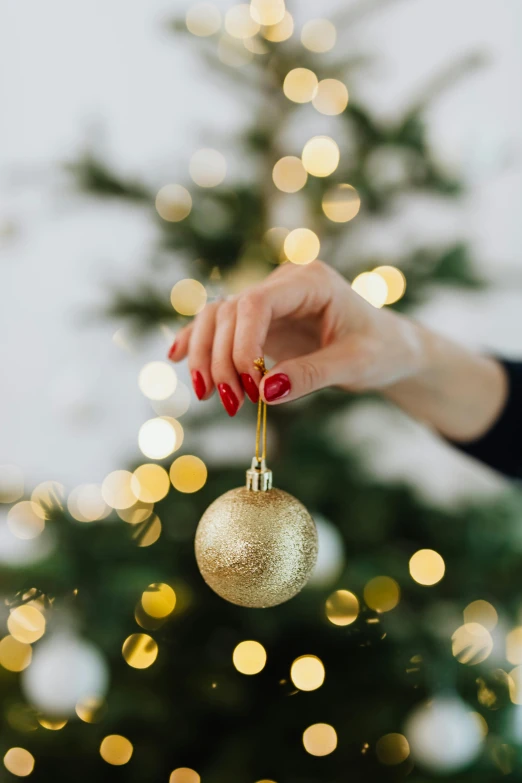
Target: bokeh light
[[307, 673], [267, 12], [188, 473], [188, 297], [53, 724], [208, 168], [203, 19], [275, 237], [320, 739], [514, 646], [150, 483], [137, 513], [116, 750], [484, 613], [11, 483], [184, 775], [158, 600], [320, 156], [318, 35], [515, 685], [117, 491], [239, 22], [19, 762], [249, 657], [341, 203], [49, 495], [140, 650], [427, 567], [148, 532], [157, 380], [26, 624], [255, 45], [281, 31], [331, 97], [156, 439], [15, 656], [392, 749], [173, 203], [91, 709], [233, 52], [176, 405], [471, 644], [26, 519], [395, 282], [300, 85], [371, 287], [342, 608], [382, 593], [289, 174], [86, 503], [302, 246]]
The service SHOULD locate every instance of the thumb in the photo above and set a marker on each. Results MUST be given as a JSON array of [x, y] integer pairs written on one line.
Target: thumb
[[294, 378]]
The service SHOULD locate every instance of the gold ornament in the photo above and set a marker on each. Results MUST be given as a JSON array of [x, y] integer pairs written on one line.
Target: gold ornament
[[256, 546]]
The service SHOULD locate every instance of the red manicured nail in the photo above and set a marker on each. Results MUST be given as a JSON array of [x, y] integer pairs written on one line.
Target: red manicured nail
[[173, 349], [228, 398], [198, 384], [250, 386], [277, 386]]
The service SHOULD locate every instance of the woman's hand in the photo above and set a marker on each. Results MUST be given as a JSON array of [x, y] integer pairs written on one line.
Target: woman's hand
[[310, 321], [321, 333]]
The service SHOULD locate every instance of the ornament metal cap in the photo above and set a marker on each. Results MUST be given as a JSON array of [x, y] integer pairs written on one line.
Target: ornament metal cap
[[258, 476]]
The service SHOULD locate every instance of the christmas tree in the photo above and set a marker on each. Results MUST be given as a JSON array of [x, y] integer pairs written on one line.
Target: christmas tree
[[115, 655]]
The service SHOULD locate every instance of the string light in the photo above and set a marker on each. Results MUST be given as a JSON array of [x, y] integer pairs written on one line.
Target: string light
[[371, 287], [150, 483], [331, 97], [188, 297], [281, 31], [471, 643], [289, 174], [158, 600], [116, 750], [139, 650], [11, 483], [300, 85], [307, 673], [395, 282], [427, 567], [184, 775], [302, 246], [15, 656], [341, 203], [382, 594], [392, 749], [173, 203], [19, 762], [208, 168], [203, 19], [484, 613], [188, 473], [156, 439], [26, 624], [117, 491], [318, 35], [239, 22], [320, 156], [249, 657], [342, 608], [267, 12], [26, 519], [320, 739]]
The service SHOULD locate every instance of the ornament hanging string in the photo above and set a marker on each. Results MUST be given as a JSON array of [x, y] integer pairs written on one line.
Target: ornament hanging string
[[259, 364]]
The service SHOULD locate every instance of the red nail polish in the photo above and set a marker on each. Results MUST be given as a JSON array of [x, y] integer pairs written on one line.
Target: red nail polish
[[228, 398], [250, 386], [198, 384], [277, 386], [173, 349]]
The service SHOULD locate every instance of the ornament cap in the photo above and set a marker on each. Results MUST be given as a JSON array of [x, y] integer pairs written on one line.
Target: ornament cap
[[258, 477]]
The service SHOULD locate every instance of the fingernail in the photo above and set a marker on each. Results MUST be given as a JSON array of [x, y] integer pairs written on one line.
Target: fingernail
[[250, 386], [198, 384], [228, 398], [173, 349], [277, 386]]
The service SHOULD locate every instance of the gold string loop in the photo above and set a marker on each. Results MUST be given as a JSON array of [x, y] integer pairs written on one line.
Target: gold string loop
[[259, 364]]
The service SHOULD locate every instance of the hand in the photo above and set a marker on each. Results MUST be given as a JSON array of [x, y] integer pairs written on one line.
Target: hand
[[310, 321]]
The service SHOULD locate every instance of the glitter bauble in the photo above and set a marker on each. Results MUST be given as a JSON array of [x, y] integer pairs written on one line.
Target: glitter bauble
[[256, 548]]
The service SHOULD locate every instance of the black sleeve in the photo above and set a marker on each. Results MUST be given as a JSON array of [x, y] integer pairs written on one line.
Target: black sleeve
[[501, 446]]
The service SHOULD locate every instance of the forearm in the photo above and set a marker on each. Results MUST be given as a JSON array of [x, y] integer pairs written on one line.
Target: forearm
[[455, 391]]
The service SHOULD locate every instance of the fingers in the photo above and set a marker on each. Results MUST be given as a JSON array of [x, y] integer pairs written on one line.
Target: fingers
[[224, 373], [179, 348], [200, 351]]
